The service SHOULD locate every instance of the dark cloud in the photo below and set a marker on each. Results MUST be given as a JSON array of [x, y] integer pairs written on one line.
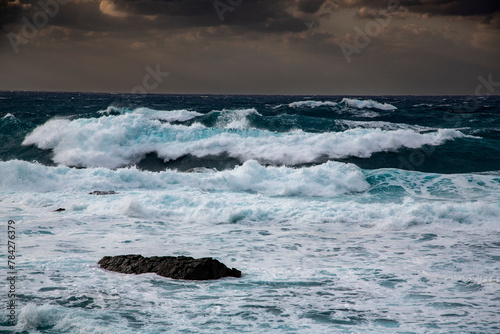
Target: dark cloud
[[123, 15], [286, 24], [276, 16], [454, 7], [310, 6], [260, 46], [431, 7], [10, 12], [186, 8]]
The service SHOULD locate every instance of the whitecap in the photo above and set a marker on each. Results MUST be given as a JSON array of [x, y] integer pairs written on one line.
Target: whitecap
[[311, 104], [370, 104], [9, 115], [235, 118], [114, 141], [181, 115], [325, 180]]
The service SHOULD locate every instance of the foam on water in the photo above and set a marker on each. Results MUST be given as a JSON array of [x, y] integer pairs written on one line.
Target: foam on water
[[39, 318], [370, 104], [235, 119], [169, 116], [329, 179], [322, 248], [311, 104], [354, 103], [388, 126], [251, 186], [121, 140], [163, 115]]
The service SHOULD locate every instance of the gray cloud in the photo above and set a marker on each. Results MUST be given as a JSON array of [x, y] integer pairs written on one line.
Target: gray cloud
[[10, 12], [262, 46], [310, 6], [251, 15], [454, 7], [258, 15], [431, 7]]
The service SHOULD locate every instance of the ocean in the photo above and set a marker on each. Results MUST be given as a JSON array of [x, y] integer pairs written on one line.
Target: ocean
[[345, 214]]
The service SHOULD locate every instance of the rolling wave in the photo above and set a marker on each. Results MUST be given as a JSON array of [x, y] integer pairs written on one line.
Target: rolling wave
[[354, 103], [369, 104], [163, 115], [122, 140], [329, 179], [325, 180]]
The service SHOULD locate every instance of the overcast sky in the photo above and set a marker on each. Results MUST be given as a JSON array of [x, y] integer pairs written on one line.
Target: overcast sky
[[343, 47]]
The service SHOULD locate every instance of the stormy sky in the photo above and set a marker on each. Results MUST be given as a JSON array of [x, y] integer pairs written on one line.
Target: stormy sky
[[342, 47]]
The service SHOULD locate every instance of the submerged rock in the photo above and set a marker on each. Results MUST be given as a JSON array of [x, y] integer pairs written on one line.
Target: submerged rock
[[99, 192], [180, 267]]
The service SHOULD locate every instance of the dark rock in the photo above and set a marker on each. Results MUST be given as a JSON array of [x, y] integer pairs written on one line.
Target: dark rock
[[59, 210], [180, 267], [99, 193]]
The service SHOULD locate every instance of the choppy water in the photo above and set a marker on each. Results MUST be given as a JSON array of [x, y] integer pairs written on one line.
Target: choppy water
[[345, 214]]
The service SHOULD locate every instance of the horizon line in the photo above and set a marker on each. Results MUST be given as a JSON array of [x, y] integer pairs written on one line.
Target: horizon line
[[235, 94]]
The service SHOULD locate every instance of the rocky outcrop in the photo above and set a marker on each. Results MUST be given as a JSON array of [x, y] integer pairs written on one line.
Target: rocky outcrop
[[180, 267], [100, 193]]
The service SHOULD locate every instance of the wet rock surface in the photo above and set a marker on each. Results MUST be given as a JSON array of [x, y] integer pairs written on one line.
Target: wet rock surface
[[101, 193], [180, 267]]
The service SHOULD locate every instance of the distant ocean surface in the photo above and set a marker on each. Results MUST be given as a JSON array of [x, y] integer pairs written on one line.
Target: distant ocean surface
[[371, 214]]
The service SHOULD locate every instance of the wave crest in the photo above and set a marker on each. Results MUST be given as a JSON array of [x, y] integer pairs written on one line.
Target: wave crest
[[368, 104], [181, 115], [123, 140], [325, 180], [354, 103], [311, 104]]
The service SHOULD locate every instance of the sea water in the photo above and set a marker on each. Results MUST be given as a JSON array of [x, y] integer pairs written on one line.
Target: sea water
[[344, 214]]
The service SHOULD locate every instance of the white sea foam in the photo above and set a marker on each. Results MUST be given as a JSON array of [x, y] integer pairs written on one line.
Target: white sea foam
[[33, 318], [354, 103], [245, 193], [322, 248], [389, 126], [235, 118], [329, 179], [459, 187], [304, 239], [112, 110], [168, 116], [8, 116], [362, 104], [311, 104], [121, 140], [164, 115]]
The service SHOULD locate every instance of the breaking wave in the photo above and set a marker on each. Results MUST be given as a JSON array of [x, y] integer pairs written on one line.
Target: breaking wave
[[123, 140], [163, 115], [325, 180], [354, 103]]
